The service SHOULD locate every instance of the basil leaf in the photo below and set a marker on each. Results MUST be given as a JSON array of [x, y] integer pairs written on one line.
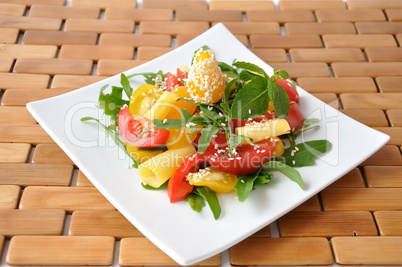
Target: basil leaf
[[212, 200], [251, 101], [206, 137], [290, 172], [304, 154], [126, 85], [279, 99], [250, 67], [246, 76], [196, 202]]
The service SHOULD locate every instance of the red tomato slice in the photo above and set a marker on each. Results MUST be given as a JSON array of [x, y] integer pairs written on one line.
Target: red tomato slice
[[181, 74], [178, 186], [290, 90], [295, 117], [248, 160], [131, 127], [171, 81]]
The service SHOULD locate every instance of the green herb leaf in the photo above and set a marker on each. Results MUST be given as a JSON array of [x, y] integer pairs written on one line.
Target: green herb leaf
[[282, 74], [279, 99], [226, 95], [211, 114], [250, 67], [206, 137], [235, 140], [246, 76], [212, 200], [245, 183], [251, 101], [196, 202], [126, 85], [112, 103], [290, 172], [304, 154], [149, 76], [227, 68]]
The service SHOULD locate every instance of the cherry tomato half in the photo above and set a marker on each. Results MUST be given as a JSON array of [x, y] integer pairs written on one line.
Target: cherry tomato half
[[179, 187], [295, 117], [171, 81], [290, 89], [131, 127]]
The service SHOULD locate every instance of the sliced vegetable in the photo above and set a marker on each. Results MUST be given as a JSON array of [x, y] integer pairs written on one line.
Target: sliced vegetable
[[217, 181], [143, 98], [134, 130], [258, 131], [248, 157], [295, 117], [179, 186], [159, 169]]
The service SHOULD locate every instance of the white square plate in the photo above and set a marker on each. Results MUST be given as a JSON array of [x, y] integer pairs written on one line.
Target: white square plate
[[189, 237]]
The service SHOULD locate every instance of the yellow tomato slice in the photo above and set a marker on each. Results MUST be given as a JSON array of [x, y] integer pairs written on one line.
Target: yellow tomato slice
[[143, 98], [217, 181], [279, 149]]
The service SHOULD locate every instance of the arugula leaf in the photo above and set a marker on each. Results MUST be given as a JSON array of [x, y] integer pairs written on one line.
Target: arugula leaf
[[206, 137], [245, 183], [290, 172], [226, 95], [250, 67], [235, 140], [114, 137], [112, 103], [126, 85], [211, 198], [227, 68], [149, 76], [303, 154], [196, 202], [211, 114], [251, 101], [279, 99]]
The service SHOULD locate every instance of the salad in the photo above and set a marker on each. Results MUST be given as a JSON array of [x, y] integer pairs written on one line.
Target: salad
[[211, 128]]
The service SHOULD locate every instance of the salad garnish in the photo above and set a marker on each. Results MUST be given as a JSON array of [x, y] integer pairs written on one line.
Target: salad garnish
[[211, 128]]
